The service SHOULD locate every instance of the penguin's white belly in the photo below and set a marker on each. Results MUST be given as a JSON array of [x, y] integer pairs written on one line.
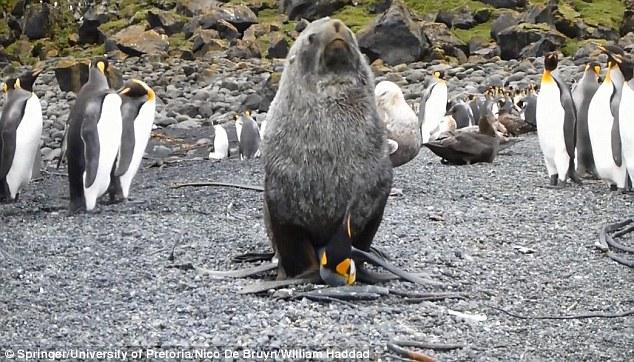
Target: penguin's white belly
[[27, 144], [221, 144], [109, 130], [626, 122], [600, 122], [550, 116], [435, 109], [142, 129]]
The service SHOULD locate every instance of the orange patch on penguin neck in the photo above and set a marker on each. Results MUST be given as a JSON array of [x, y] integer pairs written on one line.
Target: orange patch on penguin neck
[[547, 77]]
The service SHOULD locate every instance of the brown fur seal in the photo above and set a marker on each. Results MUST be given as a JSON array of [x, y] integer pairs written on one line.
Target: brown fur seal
[[327, 172], [400, 120]]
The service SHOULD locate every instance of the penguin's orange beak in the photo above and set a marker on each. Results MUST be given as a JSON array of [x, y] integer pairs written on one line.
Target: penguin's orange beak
[[101, 66], [597, 69]]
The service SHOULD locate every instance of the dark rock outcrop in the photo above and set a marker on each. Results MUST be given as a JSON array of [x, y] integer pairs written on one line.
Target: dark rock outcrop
[[278, 47], [72, 74], [205, 40], [88, 31], [509, 4], [461, 18], [394, 37], [525, 40], [135, 41], [38, 21], [310, 9], [440, 37], [169, 21], [506, 20]]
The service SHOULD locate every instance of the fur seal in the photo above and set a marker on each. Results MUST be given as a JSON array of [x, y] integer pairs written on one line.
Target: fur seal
[[400, 120], [324, 156]]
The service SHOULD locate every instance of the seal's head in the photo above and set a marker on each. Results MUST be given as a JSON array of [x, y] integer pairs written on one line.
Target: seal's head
[[327, 52]]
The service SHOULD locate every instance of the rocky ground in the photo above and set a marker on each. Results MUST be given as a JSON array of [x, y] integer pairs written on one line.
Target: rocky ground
[[106, 278]]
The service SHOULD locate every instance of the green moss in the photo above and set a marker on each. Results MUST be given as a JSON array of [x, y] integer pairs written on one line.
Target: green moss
[[355, 17], [178, 41], [481, 30], [429, 6], [570, 47], [7, 5], [539, 26], [600, 12], [269, 16], [114, 25]]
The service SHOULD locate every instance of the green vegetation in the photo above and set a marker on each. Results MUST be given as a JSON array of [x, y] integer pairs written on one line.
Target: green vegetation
[[481, 30], [178, 41], [355, 17], [428, 6], [600, 12], [114, 25]]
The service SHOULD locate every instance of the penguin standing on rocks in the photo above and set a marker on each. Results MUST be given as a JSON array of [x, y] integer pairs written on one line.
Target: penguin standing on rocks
[[248, 137], [603, 122], [221, 143], [433, 106], [401, 122], [556, 121], [138, 109], [20, 133], [626, 118], [94, 136], [582, 94]]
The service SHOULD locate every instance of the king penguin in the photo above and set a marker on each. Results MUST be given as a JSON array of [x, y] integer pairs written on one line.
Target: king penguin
[[603, 122], [20, 133], [248, 136], [138, 108], [556, 119], [582, 94], [94, 136], [221, 143], [433, 106], [626, 117]]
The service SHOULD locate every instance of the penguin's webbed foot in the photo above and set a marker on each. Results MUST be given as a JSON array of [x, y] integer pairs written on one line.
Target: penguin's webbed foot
[[554, 179], [613, 187]]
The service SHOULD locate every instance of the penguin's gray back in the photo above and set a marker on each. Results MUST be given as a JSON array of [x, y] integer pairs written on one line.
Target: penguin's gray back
[[249, 138]]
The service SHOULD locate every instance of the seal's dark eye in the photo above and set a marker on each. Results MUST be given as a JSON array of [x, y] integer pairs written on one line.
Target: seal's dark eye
[[312, 38]]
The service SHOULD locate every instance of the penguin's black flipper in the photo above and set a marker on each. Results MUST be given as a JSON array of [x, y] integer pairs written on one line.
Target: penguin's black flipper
[[90, 137], [570, 117], [129, 111], [617, 152]]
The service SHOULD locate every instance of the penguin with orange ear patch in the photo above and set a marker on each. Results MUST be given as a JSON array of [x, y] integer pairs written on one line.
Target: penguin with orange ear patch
[[138, 108], [556, 118]]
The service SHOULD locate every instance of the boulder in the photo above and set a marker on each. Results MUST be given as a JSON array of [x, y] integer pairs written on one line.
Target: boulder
[[540, 38], [206, 40], [243, 49], [539, 14], [311, 9], [88, 31], [506, 20], [7, 35], [38, 21], [239, 17], [171, 22], [72, 74], [278, 46], [627, 42], [568, 21], [439, 36], [509, 4], [267, 90], [136, 41], [627, 25], [394, 37], [195, 7], [461, 18]]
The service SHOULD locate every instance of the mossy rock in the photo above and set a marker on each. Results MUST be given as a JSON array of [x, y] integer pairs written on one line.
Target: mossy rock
[[21, 51]]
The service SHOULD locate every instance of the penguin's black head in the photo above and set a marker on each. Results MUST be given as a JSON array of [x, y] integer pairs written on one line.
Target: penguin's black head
[[627, 68], [550, 61], [28, 78], [336, 266], [615, 53], [136, 89], [10, 84], [100, 63], [439, 74]]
